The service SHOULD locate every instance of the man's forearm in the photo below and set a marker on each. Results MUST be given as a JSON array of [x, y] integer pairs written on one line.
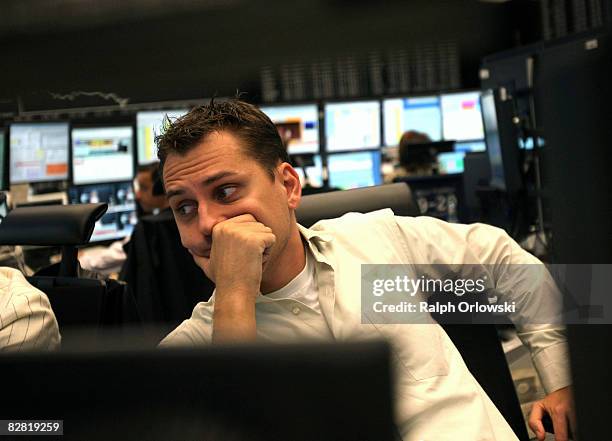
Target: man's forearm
[[234, 317]]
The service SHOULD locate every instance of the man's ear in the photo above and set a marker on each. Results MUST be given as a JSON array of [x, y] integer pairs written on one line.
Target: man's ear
[[291, 181]]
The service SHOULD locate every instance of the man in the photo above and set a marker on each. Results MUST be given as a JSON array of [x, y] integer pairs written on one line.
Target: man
[[149, 200], [234, 196]]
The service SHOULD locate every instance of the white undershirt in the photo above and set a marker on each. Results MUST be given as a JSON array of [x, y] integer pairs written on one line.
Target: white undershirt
[[302, 288]]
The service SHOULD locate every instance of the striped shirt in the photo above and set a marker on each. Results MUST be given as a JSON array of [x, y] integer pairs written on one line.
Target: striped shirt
[[27, 321]]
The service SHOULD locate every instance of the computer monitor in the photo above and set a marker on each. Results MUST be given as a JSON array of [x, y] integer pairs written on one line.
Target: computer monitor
[[421, 114], [38, 152], [102, 154], [314, 172], [253, 392], [461, 116], [120, 218], [352, 125], [148, 126], [450, 162], [354, 170], [297, 125]]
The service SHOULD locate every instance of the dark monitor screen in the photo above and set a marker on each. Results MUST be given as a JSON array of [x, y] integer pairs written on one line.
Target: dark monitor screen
[[494, 148], [102, 154], [461, 116], [148, 126], [297, 125], [354, 170], [220, 393], [421, 114], [120, 218], [352, 125], [38, 152]]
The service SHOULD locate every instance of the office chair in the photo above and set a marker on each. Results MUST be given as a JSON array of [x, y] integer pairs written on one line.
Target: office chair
[[479, 345], [161, 274], [78, 302]]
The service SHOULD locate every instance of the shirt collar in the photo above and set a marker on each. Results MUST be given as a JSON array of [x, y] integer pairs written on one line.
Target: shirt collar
[[310, 234]]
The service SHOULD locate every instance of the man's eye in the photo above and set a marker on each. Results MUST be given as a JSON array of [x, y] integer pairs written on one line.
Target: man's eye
[[185, 209], [225, 193]]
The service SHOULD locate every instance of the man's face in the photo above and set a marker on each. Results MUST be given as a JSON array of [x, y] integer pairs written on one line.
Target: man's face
[[216, 181]]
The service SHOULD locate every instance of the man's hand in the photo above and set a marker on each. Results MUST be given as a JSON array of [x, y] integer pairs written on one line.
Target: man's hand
[[560, 406], [239, 251]]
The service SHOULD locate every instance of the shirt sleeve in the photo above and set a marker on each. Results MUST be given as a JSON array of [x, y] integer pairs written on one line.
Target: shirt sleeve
[[27, 321], [196, 331], [518, 277]]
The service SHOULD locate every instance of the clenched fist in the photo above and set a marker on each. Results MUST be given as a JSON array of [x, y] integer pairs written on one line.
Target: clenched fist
[[235, 262]]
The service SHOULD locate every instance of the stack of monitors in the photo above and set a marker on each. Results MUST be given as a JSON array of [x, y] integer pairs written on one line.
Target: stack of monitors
[[352, 131], [38, 152], [148, 126], [103, 169]]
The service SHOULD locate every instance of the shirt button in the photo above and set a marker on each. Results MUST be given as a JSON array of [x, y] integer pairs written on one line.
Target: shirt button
[[296, 310]]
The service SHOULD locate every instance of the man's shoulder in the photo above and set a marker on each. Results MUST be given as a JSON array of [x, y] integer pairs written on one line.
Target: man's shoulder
[[355, 220], [195, 331]]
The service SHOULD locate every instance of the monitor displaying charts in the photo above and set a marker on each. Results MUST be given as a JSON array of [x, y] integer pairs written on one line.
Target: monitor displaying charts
[[420, 114], [120, 218], [38, 152], [102, 154], [354, 170], [148, 126], [298, 126], [461, 116], [352, 125]]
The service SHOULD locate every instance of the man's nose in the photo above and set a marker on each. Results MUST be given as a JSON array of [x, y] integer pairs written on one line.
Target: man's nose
[[208, 217]]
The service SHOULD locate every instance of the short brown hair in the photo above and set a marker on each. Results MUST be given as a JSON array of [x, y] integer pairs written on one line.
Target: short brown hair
[[257, 132]]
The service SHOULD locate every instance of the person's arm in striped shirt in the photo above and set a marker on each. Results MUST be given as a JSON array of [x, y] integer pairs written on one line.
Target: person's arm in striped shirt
[[27, 321]]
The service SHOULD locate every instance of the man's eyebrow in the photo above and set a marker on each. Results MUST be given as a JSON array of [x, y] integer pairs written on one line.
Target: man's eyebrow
[[208, 181]]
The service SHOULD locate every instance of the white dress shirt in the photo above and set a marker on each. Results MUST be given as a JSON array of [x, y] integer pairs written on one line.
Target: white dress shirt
[[27, 321], [436, 396]]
